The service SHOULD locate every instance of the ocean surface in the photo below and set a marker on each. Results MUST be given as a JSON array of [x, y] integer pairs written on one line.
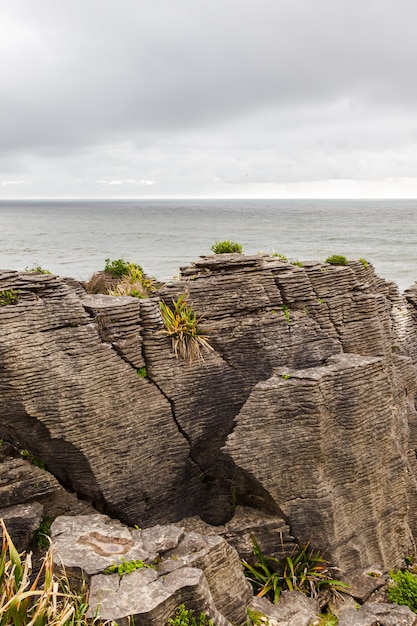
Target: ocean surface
[[73, 238]]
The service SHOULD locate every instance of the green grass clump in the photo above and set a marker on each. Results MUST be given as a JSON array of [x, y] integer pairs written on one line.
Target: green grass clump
[[337, 259], [364, 263], [182, 325], [132, 279], [8, 296], [305, 571], [126, 567], [224, 247], [37, 269], [117, 268], [185, 617], [403, 589], [142, 372]]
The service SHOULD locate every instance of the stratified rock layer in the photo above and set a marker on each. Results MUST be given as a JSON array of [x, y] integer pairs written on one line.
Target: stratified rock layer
[[304, 409]]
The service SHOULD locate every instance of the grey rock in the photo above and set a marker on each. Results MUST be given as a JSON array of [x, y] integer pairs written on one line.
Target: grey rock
[[375, 614], [21, 521], [204, 572], [293, 609]]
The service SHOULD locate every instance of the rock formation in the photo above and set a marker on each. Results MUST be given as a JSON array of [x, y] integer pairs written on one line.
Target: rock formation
[[304, 410]]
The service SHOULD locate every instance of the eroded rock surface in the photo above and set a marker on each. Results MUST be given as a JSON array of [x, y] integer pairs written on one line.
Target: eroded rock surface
[[203, 572], [305, 409]]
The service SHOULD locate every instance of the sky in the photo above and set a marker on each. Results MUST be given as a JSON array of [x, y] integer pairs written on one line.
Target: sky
[[208, 99]]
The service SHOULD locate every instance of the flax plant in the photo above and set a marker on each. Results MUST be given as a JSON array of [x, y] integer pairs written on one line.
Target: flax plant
[[305, 570], [41, 600], [182, 325]]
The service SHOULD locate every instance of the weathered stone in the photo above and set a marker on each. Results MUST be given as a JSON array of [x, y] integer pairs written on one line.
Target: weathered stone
[[72, 401], [317, 449], [375, 614], [293, 609], [364, 583], [322, 424], [203, 572], [271, 532], [21, 522]]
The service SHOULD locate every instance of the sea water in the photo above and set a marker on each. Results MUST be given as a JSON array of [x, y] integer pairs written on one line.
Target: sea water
[[73, 238]]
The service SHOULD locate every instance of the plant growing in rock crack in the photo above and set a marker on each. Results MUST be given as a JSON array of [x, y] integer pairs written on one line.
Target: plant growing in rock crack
[[364, 263], [337, 259], [224, 247], [286, 312], [126, 567], [8, 296], [305, 570], [183, 327], [185, 617]]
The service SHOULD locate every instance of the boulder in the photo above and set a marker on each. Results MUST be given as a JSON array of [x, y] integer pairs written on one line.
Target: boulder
[[178, 567]]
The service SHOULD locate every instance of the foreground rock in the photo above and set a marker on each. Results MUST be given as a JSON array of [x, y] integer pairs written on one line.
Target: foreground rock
[[305, 409], [202, 572]]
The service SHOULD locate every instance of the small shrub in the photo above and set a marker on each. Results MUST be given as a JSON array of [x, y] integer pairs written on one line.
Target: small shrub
[[286, 376], [305, 570], [126, 567], [337, 259], [117, 268], [364, 263], [280, 256], [182, 325], [142, 372], [403, 589], [185, 617], [224, 247], [297, 263], [37, 269], [133, 281], [8, 296]]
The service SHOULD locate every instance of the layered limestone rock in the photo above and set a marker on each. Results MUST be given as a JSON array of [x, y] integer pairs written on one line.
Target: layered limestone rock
[[304, 409], [174, 567]]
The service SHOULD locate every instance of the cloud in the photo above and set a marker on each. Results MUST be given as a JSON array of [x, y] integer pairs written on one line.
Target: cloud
[[200, 97]]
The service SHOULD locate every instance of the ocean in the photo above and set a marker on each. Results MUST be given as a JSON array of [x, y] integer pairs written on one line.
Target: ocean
[[73, 238]]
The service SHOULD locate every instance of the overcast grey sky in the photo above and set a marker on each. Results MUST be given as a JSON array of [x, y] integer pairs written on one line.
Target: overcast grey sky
[[208, 98]]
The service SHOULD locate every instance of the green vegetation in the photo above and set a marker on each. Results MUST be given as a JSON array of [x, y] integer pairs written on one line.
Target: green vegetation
[[126, 567], [117, 268], [286, 376], [280, 256], [37, 269], [32, 458], [305, 570], [257, 618], [185, 617], [286, 312], [8, 296], [132, 279], [403, 589], [182, 325], [142, 372], [337, 259], [297, 263], [327, 619], [364, 263], [41, 599], [224, 247], [43, 533]]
